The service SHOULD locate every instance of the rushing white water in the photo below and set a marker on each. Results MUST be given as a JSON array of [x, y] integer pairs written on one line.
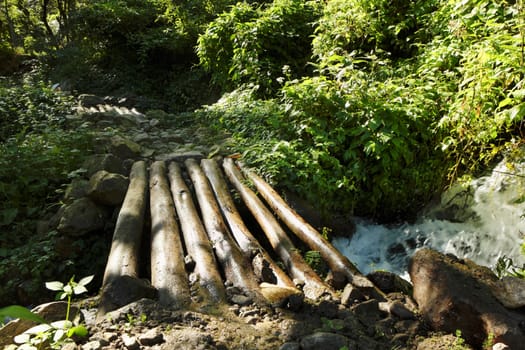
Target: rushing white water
[[492, 213]]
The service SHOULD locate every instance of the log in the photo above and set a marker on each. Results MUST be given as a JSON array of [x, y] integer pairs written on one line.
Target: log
[[168, 272], [249, 246], [196, 240], [125, 246], [122, 265], [314, 287], [235, 267], [343, 270]]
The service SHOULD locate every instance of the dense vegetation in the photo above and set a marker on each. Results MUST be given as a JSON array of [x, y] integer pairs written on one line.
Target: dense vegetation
[[367, 107]]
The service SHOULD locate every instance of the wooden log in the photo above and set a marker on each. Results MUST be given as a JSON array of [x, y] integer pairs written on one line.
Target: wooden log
[[235, 266], [314, 287], [196, 240], [125, 247], [268, 270], [343, 270], [168, 272]]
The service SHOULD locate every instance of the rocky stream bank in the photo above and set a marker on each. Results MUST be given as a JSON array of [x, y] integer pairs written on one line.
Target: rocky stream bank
[[452, 303]]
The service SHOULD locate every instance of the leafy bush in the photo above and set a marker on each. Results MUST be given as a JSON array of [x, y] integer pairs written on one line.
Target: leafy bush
[[259, 45], [406, 97], [38, 152]]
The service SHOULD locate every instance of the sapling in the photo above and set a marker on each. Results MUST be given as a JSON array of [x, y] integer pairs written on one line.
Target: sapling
[[55, 333]]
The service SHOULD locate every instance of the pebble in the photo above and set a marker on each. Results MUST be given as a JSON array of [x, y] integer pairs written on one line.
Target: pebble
[[130, 342], [151, 337]]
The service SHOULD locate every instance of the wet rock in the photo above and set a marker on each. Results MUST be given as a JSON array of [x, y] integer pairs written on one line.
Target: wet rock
[[108, 188], [326, 340], [81, 217], [455, 294], [389, 282], [107, 162], [240, 299]]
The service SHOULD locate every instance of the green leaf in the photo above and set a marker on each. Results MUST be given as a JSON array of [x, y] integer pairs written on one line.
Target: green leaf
[[79, 289], [79, 331], [84, 281], [55, 285], [17, 311], [7, 216]]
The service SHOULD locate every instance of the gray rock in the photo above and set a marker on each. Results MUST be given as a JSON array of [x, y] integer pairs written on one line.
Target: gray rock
[[108, 188], [122, 291], [77, 189], [130, 342], [87, 100], [108, 162], [389, 282], [510, 291], [351, 295], [92, 345], [290, 346], [240, 299], [81, 217], [151, 337], [124, 148], [397, 308], [326, 340], [180, 156]]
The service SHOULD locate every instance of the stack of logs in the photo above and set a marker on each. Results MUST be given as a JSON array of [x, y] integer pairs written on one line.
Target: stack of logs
[[218, 238]]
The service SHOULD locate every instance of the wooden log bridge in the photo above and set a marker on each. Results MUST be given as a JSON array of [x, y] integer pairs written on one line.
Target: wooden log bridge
[[201, 249]]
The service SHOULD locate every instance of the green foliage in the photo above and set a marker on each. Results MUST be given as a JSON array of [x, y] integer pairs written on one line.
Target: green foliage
[[506, 267], [261, 46], [406, 97], [51, 335]]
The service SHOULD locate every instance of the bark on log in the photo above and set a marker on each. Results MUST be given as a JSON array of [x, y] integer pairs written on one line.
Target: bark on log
[[250, 247], [122, 265], [125, 247], [314, 287], [343, 270], [196, 240], [235, 266], [168, 273]]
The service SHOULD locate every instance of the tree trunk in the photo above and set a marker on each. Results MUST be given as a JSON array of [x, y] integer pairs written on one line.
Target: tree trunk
[[342, 269], [314, 287], [125, 247], [168, 272], [235, 266], [43, 17], [196, 240], [13, 38], [267, 270]]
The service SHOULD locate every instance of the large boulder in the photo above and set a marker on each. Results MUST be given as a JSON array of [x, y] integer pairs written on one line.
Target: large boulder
[[108, 188], [81, 217], [456, 294], [124, 148]]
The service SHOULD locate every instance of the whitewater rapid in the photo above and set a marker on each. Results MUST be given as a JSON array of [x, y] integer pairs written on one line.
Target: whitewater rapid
[[491, 210]]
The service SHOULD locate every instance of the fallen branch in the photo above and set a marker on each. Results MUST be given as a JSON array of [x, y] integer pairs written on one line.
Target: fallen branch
[[234, 265], [343, 270], [168, 274], [196, 240], [267, 270], [314, 287]]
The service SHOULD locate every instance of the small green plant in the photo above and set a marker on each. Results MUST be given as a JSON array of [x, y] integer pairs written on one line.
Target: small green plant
[[506, 267], [50, 335], [331, 325]]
